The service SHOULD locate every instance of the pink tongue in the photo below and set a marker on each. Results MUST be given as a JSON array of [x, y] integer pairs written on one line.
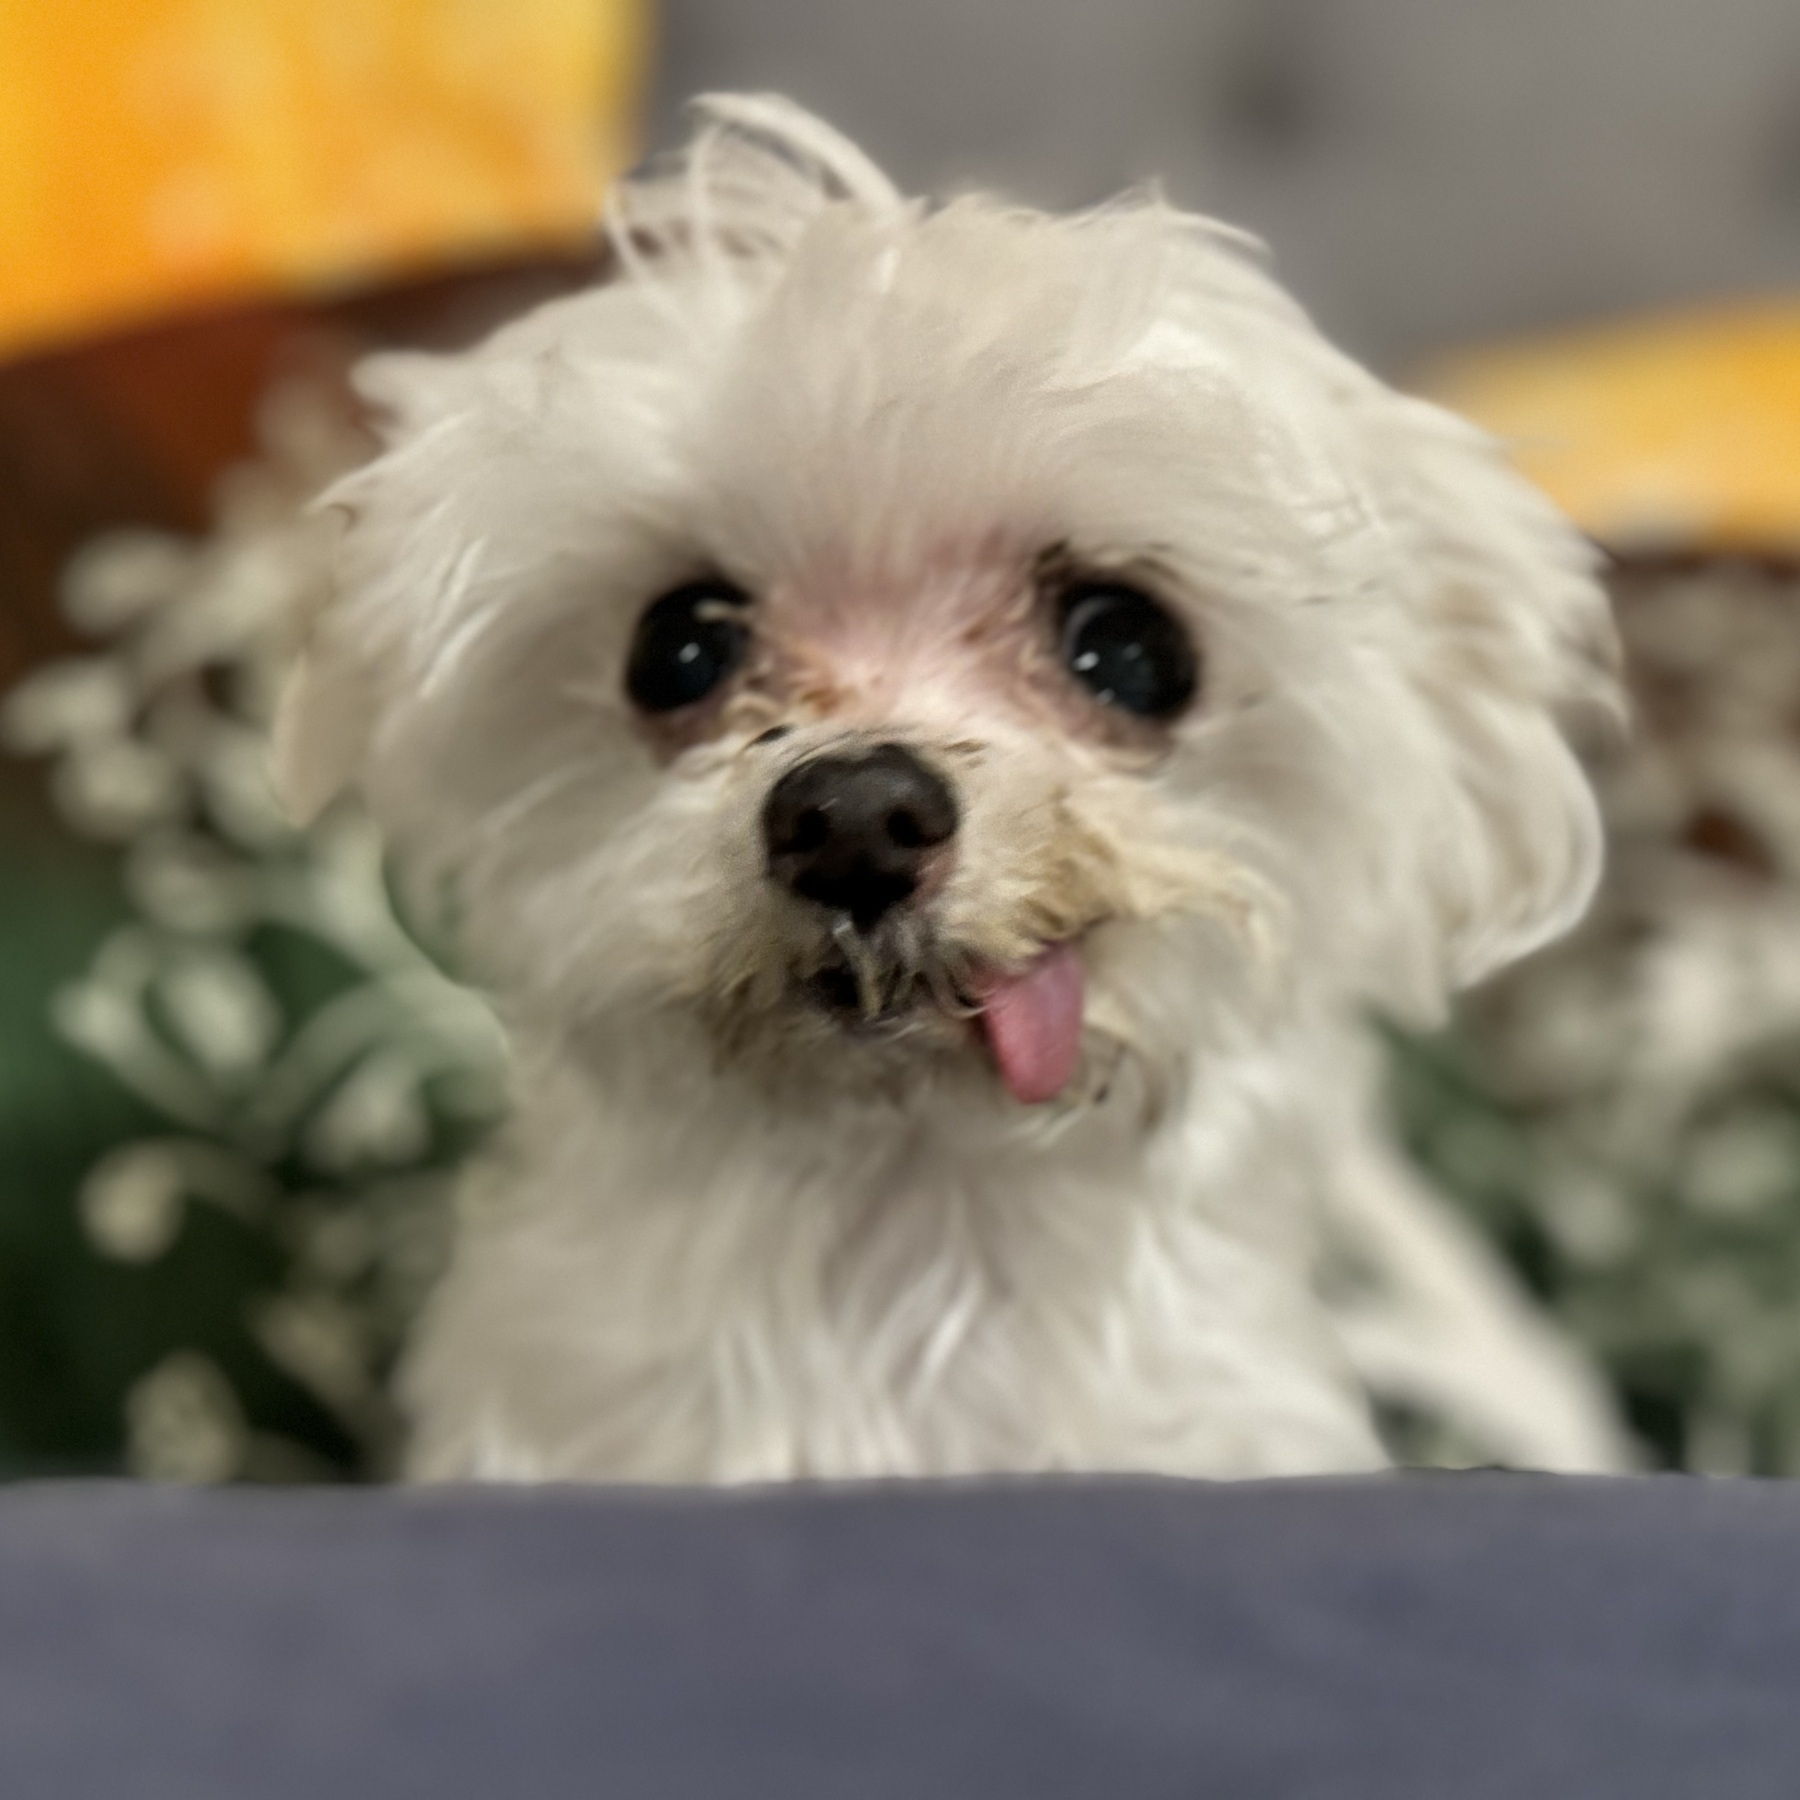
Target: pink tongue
[[1033, 1025]]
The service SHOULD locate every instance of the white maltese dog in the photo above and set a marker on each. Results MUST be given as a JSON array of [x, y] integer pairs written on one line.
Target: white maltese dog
[[937, 722]]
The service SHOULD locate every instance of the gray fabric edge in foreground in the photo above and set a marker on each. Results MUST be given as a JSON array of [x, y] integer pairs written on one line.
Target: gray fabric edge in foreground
[[1464, 1637]]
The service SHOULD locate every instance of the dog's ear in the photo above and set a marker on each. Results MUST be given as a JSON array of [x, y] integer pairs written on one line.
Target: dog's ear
[[321, 730], [325, 713], [1514, 657]]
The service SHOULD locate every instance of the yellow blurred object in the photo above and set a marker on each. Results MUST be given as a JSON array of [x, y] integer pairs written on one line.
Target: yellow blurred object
[[1676, 431], [161, 152]]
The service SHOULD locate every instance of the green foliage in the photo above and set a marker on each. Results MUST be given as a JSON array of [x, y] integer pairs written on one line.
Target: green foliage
[[231, 1083], [1676, 1261]]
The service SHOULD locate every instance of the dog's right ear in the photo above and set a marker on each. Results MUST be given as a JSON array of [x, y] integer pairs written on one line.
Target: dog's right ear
[[321, 730]]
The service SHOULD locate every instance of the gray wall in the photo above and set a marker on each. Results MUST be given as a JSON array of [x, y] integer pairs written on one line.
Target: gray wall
[[1427, 170]]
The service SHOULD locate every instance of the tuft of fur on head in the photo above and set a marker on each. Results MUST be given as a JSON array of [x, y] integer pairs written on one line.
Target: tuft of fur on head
[[890, 423]]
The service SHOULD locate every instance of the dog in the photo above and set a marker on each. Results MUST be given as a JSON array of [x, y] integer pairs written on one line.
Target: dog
[[937, 723]]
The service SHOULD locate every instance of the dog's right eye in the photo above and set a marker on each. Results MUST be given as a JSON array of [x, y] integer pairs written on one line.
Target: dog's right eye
[[1127, 650], [686, 643]]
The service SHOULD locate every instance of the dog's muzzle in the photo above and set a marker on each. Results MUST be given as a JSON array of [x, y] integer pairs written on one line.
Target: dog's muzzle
[[857, 834]]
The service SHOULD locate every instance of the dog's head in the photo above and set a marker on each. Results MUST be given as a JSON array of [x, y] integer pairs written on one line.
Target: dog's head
[[870, 631]]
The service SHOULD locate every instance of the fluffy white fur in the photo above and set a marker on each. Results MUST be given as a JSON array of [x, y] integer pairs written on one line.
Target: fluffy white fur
[[726, 1238]]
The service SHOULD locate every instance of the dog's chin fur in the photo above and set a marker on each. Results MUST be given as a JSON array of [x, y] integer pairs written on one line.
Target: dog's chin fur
[[764, 1207]]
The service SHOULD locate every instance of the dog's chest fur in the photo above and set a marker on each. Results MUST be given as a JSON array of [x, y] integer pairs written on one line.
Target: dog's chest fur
[[708, 1290]]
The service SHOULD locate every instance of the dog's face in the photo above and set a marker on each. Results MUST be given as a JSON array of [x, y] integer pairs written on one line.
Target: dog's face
[[912, 647]]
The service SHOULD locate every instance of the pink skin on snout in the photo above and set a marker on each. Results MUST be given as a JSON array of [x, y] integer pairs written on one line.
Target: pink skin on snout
[[954, 638]]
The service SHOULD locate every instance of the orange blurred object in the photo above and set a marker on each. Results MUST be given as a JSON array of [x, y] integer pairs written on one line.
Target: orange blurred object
[[155, 153], [1680, 431]]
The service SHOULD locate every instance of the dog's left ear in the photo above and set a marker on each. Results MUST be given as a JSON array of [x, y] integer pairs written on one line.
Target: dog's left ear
[[1514, 654], [325, 715], [321, 733]]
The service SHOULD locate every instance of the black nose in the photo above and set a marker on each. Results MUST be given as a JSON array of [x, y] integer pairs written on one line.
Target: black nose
[[853, 832]]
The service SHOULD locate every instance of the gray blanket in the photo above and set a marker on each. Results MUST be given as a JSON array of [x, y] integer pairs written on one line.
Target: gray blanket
[[1403, 1638]]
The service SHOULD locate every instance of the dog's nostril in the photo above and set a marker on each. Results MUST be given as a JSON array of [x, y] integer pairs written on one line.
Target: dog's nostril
[[912, 829], [852, 833], [810, 831]]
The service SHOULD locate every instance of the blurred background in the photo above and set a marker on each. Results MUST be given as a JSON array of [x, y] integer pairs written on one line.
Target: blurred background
[[231, 1085]]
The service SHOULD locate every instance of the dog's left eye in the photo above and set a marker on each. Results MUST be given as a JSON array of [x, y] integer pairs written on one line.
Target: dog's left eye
[[1127, 649], [686, 643]]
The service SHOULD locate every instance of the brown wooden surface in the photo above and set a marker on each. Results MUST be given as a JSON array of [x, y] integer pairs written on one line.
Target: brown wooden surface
[[134, 429]]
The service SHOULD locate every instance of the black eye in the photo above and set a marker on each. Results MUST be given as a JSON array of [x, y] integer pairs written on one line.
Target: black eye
[[1130, 651], [686, 644]]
